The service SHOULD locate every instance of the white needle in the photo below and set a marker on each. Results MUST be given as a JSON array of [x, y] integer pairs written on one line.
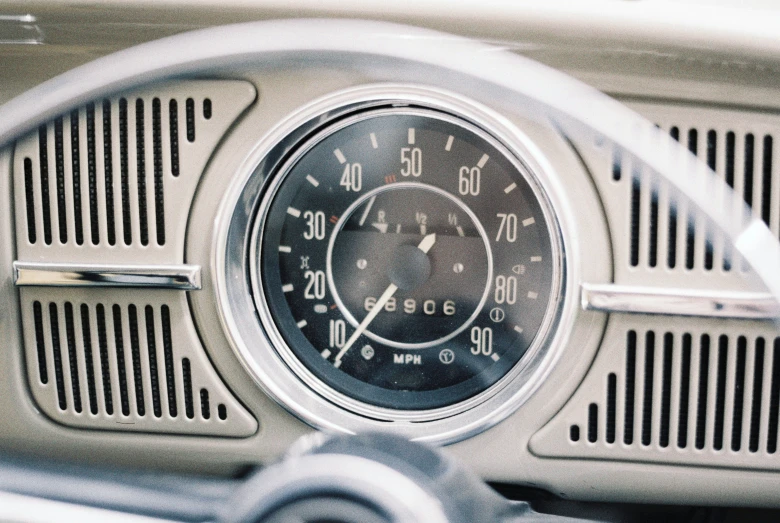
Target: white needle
[[425, 245], [368, 209]]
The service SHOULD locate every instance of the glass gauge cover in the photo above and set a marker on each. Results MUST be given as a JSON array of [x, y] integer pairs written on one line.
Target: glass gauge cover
[[406, 259]]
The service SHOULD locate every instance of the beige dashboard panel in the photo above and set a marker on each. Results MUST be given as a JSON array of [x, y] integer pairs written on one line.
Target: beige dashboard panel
[[610, 34]]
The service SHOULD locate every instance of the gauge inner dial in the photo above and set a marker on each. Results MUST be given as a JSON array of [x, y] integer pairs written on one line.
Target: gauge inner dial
[[405, 260]]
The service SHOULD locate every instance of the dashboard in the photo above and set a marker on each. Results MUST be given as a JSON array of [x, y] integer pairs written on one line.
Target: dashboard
[[227, 239]]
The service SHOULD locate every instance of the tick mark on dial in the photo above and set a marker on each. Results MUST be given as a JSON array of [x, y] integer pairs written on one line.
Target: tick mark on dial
[[340, 156]]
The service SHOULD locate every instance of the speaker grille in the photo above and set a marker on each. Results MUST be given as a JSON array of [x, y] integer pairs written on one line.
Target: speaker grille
[[685, 393], [70, 142], [114, 179], [745, 163], [731, 357], [657, 242], [99, 349]]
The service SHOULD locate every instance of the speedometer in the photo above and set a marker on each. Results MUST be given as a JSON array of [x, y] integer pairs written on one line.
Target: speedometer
[[403, 259]]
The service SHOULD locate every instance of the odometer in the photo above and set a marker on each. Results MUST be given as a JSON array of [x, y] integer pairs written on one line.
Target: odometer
[[405, 258]]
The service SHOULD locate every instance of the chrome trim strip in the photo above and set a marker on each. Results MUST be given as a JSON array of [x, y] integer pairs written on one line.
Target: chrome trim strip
[[178, 277], [679, 302], [20, 30]]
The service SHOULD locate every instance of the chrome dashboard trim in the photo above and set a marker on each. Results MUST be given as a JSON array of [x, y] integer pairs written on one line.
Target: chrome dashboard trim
[[679, 302], [176, 277]]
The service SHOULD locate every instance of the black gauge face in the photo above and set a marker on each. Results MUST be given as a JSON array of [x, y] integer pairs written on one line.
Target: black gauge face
[[405, 260]]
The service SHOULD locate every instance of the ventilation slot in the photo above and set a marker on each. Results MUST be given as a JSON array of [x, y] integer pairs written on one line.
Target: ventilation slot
[[159, 202], [43, 152], [758, 385], [57, 355], [636, 193], [86, 345], [124, 165], [205, 409], [120, 358], [767, 190], [685, 384], [75, 156], [105, 372], [593, 423], [666, 389], [153, 374], [140, 151], [739, 395], [611, 407], [29, 194], [190, 120], [647, 403], [59, 163], [74, 369], [745, 399], [774, 401], [720, 399], [701, 409], [94, 226], [108, 168], [135, 351], [748, 170], [168, 349], [40, 343], [173, 117], [628, 427], [86, 335], [188, 403]]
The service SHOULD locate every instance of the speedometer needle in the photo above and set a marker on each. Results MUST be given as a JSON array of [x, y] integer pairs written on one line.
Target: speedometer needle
[[425, 245]]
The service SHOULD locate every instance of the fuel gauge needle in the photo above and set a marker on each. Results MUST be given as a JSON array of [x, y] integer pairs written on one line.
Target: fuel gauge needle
[[425, 245]]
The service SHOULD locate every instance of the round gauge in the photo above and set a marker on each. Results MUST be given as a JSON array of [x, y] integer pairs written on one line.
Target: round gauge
[[404, 259]]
